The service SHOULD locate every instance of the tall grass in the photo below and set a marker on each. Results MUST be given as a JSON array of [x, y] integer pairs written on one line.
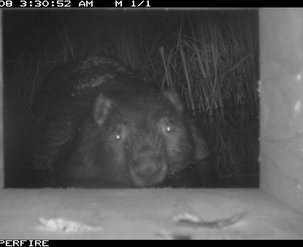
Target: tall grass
[[213, 62], [210, 57]]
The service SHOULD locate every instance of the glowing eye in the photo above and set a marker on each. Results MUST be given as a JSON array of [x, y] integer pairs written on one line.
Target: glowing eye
[[168, 129], [118, 137]]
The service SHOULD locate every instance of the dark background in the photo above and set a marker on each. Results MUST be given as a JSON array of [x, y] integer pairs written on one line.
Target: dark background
[[219, 48]]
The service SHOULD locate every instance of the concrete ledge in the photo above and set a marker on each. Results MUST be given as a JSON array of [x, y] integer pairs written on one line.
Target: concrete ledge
[[145, 214]]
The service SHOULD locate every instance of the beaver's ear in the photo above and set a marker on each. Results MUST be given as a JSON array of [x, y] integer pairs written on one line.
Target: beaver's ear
[[101, 108], [172, 95]]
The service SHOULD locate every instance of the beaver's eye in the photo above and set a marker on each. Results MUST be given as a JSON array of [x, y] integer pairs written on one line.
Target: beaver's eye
[[118, 137], [168, 128]]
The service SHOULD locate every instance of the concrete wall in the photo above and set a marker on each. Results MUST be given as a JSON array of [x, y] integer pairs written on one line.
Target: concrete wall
[[281, 42]]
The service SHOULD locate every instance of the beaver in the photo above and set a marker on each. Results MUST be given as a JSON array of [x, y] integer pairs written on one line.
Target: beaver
[[97, 123]]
